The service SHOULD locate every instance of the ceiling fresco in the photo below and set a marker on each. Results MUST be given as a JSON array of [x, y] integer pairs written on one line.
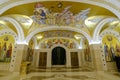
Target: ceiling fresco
[[58, 33], [36, 16], [66, 42], [4, 24], [76, 7]]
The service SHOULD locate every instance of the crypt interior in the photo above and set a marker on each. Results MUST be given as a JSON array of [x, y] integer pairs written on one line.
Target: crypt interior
[[60, 39]]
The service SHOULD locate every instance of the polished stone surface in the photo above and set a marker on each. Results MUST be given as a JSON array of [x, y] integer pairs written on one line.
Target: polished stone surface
[[77, 75]]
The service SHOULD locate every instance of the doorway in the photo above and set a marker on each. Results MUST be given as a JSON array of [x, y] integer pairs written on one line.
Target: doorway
[[58, 56]]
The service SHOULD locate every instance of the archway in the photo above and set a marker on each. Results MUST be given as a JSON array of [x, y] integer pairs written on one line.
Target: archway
[[58, 56]]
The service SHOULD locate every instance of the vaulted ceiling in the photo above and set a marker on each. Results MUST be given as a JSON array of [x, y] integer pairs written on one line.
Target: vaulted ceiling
[[21, 15]]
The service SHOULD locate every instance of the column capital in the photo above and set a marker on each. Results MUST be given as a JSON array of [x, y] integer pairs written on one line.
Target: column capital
[[95, 42], [21, 42]]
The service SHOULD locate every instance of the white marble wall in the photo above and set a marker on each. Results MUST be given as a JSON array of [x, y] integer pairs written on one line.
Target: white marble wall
[[4, 66], [49, 55], [98, 59]]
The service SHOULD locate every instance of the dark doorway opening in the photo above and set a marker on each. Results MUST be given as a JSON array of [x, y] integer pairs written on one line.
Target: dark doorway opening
[[58, 56]]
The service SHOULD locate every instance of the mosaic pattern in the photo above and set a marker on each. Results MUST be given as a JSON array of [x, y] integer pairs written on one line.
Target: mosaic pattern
[[6, 46], [42, 15], [49, 43], [111, 47], [69, 34]]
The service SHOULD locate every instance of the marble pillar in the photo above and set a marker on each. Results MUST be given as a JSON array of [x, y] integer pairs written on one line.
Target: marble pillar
[[35, 58], [96, 54], [80, 57], [68, 59], [18, 56], [49, 59]]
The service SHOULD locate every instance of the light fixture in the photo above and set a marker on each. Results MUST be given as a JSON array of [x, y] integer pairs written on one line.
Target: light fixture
[[21, 42], [39, 37], [77, 36]]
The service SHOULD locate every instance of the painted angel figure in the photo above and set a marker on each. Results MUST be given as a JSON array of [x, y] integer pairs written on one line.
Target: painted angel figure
[[39, 14], [66, 16], [82, 15]]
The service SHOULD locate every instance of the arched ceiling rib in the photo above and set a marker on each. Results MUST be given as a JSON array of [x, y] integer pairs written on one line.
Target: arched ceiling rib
[[17, 26], [100, 25], [57, 28]]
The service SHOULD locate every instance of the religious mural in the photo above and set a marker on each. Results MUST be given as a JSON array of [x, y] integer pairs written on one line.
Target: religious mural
[[6, 46], [42, 15], [111, 47], [49, 43], [59, 33], [87, 52]]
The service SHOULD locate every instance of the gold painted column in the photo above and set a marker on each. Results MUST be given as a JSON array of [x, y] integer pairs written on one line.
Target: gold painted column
[[18, 56], [97, 57]]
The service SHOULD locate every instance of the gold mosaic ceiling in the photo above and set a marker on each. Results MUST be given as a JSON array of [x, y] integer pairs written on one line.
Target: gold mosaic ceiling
[[27, 9]]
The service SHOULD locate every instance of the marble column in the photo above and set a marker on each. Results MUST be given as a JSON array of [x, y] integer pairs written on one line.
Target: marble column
[[49, 58], [82, 57], [79, 58], [96, 54], [18, 56], [35, 58], [68, 59]]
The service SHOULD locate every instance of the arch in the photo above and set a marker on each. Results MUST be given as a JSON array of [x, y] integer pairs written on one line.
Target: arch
[[17, 26], [109, 31], [116, 2], [9, 32], [60, 46], [58, 56], [3, 1], [116, 12], [58, 38], [67, 54], [58, 28], [100, 25]]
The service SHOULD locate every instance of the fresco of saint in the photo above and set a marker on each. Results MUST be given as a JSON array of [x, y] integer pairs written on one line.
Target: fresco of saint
[[106, 51], [9, 52], [3, 52]]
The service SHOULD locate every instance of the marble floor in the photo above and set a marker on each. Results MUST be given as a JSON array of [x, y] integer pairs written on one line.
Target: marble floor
[[59, 69], [64, 75]]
